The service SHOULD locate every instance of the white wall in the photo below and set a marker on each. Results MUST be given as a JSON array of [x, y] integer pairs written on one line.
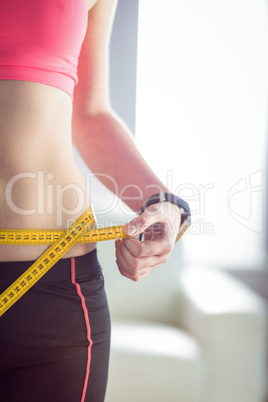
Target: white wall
[[201, 118]]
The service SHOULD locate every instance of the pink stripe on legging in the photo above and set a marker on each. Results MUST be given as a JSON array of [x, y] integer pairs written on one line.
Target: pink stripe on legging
[[84, 307]]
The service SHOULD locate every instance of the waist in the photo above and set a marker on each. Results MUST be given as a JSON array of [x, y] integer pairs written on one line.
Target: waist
[[29, 200]]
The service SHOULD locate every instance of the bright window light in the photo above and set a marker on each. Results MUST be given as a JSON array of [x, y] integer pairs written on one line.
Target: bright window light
[[201, 119]]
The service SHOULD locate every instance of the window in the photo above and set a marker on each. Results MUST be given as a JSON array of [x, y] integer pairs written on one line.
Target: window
[[201, 119]]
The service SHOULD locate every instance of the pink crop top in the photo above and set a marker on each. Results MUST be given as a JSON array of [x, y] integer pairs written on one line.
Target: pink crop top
[[40, 41]]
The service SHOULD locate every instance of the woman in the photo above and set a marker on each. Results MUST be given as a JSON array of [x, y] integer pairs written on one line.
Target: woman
[[55, 339]]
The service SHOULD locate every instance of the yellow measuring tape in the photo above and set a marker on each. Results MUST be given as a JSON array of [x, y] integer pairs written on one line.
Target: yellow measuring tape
[[62, 241], [33, 237]]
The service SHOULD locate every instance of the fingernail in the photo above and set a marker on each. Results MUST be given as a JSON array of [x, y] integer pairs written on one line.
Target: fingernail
[[130, 230]]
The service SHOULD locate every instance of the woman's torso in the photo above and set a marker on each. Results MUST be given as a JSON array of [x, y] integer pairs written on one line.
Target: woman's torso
[[41, 186]]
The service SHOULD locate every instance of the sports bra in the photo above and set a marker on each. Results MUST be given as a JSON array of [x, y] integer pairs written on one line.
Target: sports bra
[[40, 41]]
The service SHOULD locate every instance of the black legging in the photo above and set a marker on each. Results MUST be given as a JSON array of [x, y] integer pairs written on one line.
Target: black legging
[[55, 340]]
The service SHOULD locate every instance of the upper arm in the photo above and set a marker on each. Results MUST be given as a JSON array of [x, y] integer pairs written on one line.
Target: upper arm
[[91, 94]]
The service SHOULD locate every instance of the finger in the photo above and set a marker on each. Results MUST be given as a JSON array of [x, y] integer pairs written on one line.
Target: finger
[[125, 267], [155, 247], [135, 275], [134, 278], [133, 262], [139, 224], [135, 268]]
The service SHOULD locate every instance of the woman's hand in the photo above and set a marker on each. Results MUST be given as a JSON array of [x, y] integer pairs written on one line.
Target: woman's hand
[[160, 223]]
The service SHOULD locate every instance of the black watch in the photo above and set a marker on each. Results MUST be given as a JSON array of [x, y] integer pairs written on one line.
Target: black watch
[[173, 199]]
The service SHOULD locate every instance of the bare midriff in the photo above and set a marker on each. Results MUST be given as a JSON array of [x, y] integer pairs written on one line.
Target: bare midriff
[[41, 186]]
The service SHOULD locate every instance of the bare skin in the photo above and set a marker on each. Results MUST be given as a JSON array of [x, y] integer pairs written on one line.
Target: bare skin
[[39, 123], [35, 143]]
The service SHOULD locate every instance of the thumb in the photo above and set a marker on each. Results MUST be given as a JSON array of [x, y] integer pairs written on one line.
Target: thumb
[[139, 224]]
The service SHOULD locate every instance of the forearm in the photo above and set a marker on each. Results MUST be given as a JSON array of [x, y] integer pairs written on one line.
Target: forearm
[[107, 147]]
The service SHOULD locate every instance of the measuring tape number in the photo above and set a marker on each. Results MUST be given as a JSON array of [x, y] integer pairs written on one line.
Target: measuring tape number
[[31, 237]]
